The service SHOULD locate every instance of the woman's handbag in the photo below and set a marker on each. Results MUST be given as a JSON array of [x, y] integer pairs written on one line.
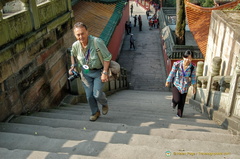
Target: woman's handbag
[[114, 67]]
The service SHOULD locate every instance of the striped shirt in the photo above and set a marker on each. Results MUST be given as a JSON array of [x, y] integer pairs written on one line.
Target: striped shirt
[[182, 80]]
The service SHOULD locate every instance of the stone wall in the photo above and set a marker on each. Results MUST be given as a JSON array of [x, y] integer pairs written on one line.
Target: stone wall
[[223, 41], [33, 57], [218, 91], [219, 96]]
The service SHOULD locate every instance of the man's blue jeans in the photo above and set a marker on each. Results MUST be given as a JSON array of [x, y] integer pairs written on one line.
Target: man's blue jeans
[[94, 89]]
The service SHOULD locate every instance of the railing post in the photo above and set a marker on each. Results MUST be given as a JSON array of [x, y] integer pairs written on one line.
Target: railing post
[[34, 14], [216, 65], [233, 89], [1, 14], [69, 5], [199, 72]]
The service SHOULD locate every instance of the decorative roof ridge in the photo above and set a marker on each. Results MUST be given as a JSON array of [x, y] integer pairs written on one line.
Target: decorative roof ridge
[[199, 21], [227, 5], [103, 1], [73, 2], [113, 21]]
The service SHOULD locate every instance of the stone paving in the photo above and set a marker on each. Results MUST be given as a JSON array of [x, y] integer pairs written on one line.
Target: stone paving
[[145, 65]]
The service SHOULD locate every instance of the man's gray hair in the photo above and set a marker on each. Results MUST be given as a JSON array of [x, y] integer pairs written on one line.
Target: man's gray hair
[[79, 25]]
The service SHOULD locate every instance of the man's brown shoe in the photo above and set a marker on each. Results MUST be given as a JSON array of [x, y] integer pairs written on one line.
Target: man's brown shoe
[[95, 116], [105, 109]]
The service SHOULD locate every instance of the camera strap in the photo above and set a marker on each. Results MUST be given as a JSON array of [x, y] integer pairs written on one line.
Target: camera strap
[[87, 56], [184, 73]]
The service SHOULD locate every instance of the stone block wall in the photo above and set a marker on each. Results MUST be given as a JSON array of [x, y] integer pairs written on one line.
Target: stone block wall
[[218, 92], [33, 65], [223, 41], [34, 75], [218, 96]]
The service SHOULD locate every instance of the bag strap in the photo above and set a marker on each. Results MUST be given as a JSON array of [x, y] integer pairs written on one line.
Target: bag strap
[[98, 51], [100, 56], [192, 68]]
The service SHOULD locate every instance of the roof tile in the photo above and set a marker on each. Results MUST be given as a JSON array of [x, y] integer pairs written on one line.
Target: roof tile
[[94, 15], [199, 21]]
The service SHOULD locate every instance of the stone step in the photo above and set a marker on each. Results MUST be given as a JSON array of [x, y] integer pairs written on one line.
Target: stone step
[[115, 137], [160, 114], [134, 96], [123, 128], [194, 119], [174, 123], [105, 149], [134, 108], [34, 154], [74, 147], [136, 120], [145, 101], [139, 125], [29, 154]]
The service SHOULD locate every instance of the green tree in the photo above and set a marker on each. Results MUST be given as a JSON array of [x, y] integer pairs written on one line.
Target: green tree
[[237, 7], [180, 23], [203, 3], [207, 3], [156, 1], [169, 3]]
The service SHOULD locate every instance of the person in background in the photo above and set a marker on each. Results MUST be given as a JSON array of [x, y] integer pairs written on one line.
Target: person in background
[[93, 73], [135, 20], [157, 23], [136, 3], [127, 28], [156, 6], [140, 22], [131, 9], [147, 13], [151, 22], [182, 76], [132, 40]]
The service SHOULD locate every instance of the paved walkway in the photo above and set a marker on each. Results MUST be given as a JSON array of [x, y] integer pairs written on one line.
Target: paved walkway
[[145, 65]]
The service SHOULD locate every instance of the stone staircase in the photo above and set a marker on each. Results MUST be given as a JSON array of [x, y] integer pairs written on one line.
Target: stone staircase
[[139, 125]]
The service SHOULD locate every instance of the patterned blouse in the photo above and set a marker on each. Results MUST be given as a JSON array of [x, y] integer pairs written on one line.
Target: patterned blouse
[[180, 78]]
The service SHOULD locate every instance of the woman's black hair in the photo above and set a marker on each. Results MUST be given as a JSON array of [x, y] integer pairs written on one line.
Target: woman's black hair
[[187, 53]]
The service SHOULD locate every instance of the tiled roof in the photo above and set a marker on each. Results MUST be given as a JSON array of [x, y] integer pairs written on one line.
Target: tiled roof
[[94, 15], [199, 21], [113, 21]]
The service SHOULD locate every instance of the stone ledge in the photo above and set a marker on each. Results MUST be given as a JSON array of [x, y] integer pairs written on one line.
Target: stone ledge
[[230, 123]]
